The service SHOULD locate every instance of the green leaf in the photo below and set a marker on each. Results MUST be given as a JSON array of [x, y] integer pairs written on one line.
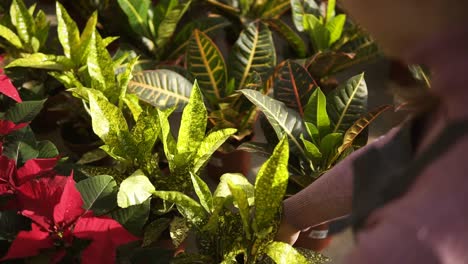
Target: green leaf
[[254, 51], [290, 36], [42, 61], [193, 123], [300, 8], [11, 223], [173, 12], [189, 208], [347, 103], [133, 103], [330, 10], [335, 27], [270, 187], [318, 33], [313, 131], [42, 28], [241, 200], [68, 33], [293, 85], [98, 193], [178, 231], [85, 39], [360, 125], [154, 230], [25, 152], [134, 190], [99, 66], [329, 145], [209, 145], [283, 253], [24, 112], [203, 192], [23, 21], [47, 149], [107, 120], [133, 218], [206, 63], [284, 121], [167, 139], [124, 78], [316, 112], [223, 191], [207, 25], [146, 132], [161, 88], [312, 150], [10, 36], [137, 14]]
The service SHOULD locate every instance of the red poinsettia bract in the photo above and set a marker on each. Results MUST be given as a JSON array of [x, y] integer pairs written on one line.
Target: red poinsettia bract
[[7, 88], [11, 177], [55, 207]]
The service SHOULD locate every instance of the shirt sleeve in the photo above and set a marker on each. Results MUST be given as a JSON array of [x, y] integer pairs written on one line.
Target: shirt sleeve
[[390, 243], [330, 196]]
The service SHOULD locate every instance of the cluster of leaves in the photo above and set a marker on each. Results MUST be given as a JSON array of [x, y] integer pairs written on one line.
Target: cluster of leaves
[[235, 223], [323, 128], [21, 32], [43, 216]]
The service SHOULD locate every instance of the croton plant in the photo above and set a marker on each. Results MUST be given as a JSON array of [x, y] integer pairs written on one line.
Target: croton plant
[[180, 81]]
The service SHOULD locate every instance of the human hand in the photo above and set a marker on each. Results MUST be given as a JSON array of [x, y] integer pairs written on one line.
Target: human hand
[[287, 233]]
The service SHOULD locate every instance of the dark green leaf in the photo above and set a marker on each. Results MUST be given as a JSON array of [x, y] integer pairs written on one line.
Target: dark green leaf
[[98, 193], [293, 85], [178, 230], [206, 63], [254, 51], [168, 20], [161, 88], [133, 218], [300, 8], [24, 112], [47, 149], [11, 223], [207, 25], [347, 103], [137, 13], [290, 35], [284, 121], [154, 230]]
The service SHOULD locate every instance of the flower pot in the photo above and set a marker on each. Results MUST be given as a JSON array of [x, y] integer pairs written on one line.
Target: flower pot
[[316, 238], [237, 161]]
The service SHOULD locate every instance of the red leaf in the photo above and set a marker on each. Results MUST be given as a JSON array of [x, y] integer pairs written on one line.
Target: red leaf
[[6, 127], [38, 198], [106, 233], [7, 168], [7, 88], [29, 243], [70, 206], [34, 168]]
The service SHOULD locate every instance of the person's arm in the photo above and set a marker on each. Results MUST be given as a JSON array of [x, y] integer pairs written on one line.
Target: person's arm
[[328, 198]]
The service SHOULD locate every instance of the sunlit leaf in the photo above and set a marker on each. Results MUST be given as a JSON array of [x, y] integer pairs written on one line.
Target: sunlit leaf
[[134, 190]]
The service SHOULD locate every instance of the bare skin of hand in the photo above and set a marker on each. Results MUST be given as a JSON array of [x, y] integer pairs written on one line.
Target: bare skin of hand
[[287, 233]]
